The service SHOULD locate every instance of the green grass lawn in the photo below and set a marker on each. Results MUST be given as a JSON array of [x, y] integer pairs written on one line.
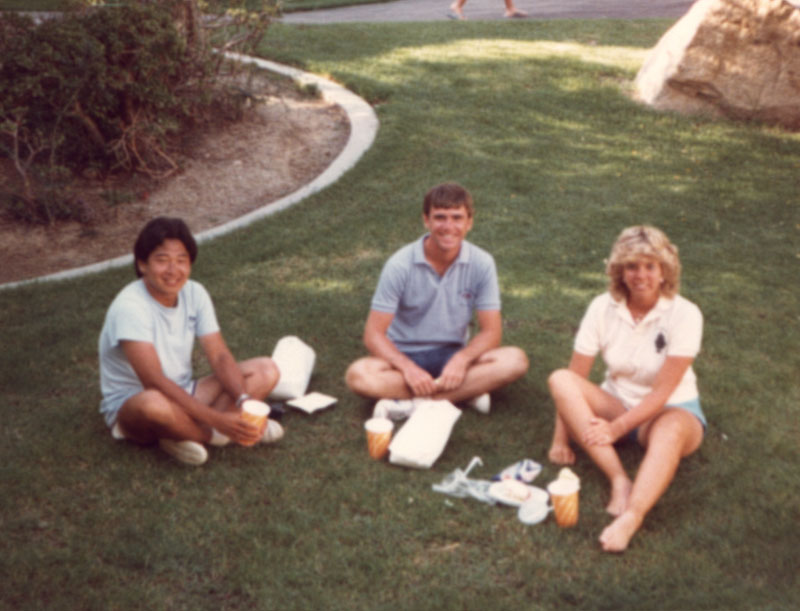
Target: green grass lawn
[[534, 119]]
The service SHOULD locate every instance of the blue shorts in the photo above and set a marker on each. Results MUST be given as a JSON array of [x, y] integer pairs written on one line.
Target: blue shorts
[[433, 361], [692, 406]]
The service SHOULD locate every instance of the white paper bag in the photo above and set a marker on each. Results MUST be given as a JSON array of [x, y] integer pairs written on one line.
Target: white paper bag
[[295, 360], [424, 436]]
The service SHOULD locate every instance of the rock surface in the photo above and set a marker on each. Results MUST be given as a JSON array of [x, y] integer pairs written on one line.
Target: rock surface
[[734, 58]]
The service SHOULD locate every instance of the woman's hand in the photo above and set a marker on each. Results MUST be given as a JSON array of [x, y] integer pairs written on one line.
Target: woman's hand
[[599, 433]]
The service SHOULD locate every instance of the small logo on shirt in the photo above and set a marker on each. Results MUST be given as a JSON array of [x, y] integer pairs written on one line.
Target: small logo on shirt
[[660, 342]]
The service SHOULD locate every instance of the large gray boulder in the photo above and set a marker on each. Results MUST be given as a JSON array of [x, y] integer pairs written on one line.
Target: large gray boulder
[[734, 58]]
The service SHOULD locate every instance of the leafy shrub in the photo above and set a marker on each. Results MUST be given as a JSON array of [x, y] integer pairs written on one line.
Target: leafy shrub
[[101, 91]]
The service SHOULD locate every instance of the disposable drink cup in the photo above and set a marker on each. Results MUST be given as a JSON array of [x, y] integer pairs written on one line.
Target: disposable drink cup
[[379, 434], [255, 412], [564, 495]]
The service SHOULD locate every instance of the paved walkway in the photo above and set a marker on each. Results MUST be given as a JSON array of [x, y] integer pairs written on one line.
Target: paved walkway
[[436, 10]]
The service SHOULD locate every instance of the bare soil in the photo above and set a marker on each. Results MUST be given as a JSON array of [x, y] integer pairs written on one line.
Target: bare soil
[[284, 141]]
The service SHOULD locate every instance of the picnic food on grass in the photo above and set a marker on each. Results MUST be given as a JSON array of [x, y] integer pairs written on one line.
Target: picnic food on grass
[[515, 490]]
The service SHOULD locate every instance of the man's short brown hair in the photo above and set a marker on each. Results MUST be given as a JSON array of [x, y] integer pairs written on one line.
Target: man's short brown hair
[[448, 195]]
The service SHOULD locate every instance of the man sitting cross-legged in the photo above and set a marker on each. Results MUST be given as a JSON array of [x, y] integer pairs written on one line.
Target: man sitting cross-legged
[[417, 331], [149, 393]]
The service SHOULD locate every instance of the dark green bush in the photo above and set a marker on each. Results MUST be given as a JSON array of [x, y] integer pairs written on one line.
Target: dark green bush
[[101, 91]]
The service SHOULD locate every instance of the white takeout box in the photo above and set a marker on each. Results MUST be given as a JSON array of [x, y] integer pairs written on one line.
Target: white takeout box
[[295, 360]]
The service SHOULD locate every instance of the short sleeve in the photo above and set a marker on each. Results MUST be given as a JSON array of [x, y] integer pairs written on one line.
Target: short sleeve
[[588, 340], [130, 321], [390, 286], [489, 287], [206, 315], [685, 330]]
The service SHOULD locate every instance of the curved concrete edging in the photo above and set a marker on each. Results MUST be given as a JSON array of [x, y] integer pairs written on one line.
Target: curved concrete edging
[[363, 129]]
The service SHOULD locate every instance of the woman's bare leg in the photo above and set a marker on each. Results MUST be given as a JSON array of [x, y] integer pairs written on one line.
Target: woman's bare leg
[[560, 452], [578, 401], [672, 435]]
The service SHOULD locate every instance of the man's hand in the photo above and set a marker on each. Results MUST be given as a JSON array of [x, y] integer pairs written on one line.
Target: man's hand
[[419, 381], [453, 373]]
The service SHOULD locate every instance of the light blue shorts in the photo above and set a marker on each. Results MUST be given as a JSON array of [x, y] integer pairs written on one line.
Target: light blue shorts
[[692, 406]]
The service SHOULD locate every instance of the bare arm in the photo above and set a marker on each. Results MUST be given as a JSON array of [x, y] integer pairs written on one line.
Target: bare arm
[[418, 380], [145, 362], [223, 364], [669, 376], [581, 364], [667, 380]]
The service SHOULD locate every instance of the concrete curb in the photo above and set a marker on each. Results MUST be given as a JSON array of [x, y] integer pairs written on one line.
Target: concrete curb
[[363, 129]]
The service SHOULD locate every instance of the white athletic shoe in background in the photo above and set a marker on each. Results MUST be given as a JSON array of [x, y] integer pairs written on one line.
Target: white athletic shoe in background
[[481, 403], [187, 452]]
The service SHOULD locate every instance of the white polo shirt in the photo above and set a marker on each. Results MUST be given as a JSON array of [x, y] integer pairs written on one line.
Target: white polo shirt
[[634, 353]]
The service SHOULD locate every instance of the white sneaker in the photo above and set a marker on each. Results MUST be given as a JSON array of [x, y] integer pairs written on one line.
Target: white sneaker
[[187, 452], [394, 409], [218, 439], [273, 432], [481, 403]]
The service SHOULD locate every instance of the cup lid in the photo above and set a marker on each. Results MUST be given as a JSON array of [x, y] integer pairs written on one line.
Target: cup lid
[[563, 486], [379, 425], [255, 407]]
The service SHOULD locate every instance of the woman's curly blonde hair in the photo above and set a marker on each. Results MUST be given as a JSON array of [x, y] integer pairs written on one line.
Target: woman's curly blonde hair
[[635, 243]]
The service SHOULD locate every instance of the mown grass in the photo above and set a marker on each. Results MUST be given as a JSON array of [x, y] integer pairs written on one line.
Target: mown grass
[[534, 119]]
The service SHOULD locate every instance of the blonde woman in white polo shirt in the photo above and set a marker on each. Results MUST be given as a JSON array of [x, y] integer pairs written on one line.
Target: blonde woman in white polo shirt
[[648, 336]]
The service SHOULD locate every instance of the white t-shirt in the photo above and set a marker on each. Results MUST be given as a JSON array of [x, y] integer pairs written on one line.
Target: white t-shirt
[[134, 315], [634, 353]]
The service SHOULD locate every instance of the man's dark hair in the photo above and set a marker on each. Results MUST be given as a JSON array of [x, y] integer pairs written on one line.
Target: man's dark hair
[[448, 195], [155, 233]]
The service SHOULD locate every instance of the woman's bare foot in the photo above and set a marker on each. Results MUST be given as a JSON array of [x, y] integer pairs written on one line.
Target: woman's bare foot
[[616, 536], [561, 454], [516, 14], [620, 491]]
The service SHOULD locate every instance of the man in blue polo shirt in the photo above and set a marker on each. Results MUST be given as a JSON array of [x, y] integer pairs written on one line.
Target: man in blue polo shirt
[[417, 331]]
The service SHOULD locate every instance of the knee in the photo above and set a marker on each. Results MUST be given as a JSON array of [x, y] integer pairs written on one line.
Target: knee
[[269, 370], [677, 430], [518, 362], [356, 376], [153, 407], [559, 379], [261, 375]]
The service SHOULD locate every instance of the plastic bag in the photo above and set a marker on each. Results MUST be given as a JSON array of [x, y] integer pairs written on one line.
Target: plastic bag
[[457, 484]]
